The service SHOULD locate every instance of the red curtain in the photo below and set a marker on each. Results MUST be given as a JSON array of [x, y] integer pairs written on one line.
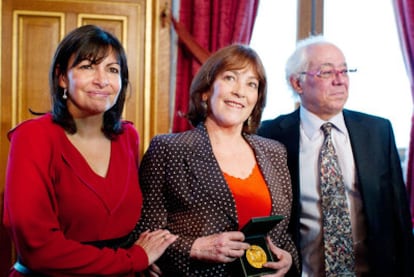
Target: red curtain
[[205, 26], [404, 10]]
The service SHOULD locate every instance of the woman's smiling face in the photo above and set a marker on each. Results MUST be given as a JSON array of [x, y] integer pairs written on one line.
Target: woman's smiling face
[[232, 99], [92, 88]]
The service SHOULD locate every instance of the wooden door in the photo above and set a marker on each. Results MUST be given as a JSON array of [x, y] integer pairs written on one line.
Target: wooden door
[[31, 31]]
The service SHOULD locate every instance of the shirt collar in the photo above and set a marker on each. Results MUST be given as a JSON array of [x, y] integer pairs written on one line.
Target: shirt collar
[[311, 123]]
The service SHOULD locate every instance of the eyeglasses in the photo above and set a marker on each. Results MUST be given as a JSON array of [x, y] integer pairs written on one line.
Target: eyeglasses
[[328, 73]]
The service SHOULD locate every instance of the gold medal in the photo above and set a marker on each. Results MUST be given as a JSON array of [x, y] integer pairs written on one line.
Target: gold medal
[[256, 256]]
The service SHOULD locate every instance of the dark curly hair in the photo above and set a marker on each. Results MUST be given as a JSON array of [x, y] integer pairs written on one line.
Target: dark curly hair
[[92, 43]]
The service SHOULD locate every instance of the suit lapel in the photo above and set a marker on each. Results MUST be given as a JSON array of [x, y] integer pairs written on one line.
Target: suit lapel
[[269, 172], [289, 136], [219, 191], [360, 139], [361, 142]]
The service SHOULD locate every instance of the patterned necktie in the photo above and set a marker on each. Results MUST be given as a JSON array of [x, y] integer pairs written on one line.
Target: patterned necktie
[[337, 233]]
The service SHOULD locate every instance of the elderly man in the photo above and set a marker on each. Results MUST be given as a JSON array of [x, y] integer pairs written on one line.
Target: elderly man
[[350, 209]]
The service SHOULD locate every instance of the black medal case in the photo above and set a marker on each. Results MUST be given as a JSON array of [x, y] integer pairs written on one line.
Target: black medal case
[[255, 232]]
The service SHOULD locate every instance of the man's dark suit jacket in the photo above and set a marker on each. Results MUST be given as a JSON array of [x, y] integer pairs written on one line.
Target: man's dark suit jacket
[[389, 230]]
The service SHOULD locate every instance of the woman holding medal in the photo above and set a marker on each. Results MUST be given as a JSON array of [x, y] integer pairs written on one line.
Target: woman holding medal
[[205, 184]]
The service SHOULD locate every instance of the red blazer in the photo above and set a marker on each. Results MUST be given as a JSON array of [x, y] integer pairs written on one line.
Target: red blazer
[[54, 201]]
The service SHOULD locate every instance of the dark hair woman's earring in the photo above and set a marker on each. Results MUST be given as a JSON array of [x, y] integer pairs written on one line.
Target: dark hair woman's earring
[[65, 96], [204, 105]]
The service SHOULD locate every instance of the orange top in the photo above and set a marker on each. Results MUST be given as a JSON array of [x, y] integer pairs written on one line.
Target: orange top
[[251, 195]]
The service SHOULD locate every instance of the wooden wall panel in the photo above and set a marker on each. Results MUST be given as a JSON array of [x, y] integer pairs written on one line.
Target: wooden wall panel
[[117, 25], [36, 37]]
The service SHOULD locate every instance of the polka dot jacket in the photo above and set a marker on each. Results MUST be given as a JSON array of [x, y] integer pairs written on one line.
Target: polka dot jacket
[[185, 192]]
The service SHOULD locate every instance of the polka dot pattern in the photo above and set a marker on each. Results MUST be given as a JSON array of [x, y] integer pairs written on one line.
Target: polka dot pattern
[[184, 191]]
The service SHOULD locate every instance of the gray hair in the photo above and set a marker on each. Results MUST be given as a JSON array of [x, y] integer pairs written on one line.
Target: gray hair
[[299, 60]]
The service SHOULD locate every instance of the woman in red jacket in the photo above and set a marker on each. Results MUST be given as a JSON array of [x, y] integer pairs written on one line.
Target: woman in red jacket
[[72, 194]]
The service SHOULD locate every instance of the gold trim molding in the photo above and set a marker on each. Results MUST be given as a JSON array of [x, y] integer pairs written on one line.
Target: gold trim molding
[[17, 50]]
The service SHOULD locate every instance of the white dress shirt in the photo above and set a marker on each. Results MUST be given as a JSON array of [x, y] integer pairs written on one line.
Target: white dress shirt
[[311, 241]]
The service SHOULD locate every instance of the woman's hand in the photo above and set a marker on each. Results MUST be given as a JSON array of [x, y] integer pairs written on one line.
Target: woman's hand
[[155, 243], [221, 248], [284, 260], [152, 271]]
